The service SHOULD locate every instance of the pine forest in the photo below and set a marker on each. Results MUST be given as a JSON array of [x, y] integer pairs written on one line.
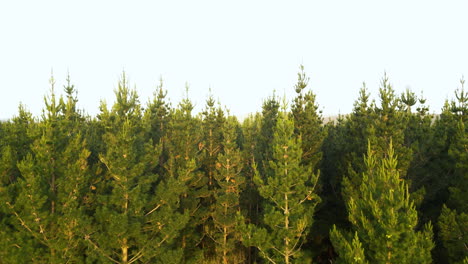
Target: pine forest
[[156, 182]]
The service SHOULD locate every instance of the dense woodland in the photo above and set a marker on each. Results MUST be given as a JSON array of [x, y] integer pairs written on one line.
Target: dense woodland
[[157, 183]]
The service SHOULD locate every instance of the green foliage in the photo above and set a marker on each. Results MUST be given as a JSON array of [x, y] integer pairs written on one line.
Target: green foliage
[[384, 217], [183, 164], [157, 114], [453, 223], [229, 179], [308, 122], [166, 185], [453, 232], [350, 251], [136, 218], [288, 190], [51, 186], [263, 151]]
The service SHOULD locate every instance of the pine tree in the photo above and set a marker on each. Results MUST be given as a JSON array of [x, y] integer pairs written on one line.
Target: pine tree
[[418, 137], [184, 147], [343, 149], [250, 198], [378, 125], [383, 218], [259, 151], [460, 106], [390, 124], [288, 190], [16, 139], [229, 180], [212, 123], [52, 185], [440, 172], [157, 112], [453, 221], [18, 134], [136, 219], [308, 125], [308, 122], [264, 151], [332, 209], [359, 130]]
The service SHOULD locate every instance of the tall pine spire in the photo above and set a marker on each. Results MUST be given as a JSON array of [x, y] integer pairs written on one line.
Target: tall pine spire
[[383, 218], [287, 187]]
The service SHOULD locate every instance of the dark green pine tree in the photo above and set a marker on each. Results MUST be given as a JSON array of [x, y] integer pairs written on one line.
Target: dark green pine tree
[[440, 165], [441, 168], [390, 124], [453, 221], [229, 179], [157, 112], [359, 129], [18, 135], [332, 209], [259, 130], [460, 106], [75, 181], [288, 189], [73, 188], [51, 188], [250, 198], [343, 149], [264, 150], [212, 128], [382, 123], [308, 122], [383, 218], [183, 163], [136, 220], [418, 137]]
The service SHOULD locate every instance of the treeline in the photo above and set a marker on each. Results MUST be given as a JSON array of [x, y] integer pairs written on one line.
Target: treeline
[[156, 183]]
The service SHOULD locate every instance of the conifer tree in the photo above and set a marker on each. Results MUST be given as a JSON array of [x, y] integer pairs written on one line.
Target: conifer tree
[[308, 122], [343, 149], [17, 137], [158, 114], [259, 151], [212, 124], [250, 198], [261, 142], [136, 219], [381, 124], [440, 172], [359, 130], [290, 199], [453, 221], [52, 185], [417, 135], [390, 125], [383, 218], [332, 209], [264, 151], [183, 163], [249, 144], [460, 106], [229, 180]]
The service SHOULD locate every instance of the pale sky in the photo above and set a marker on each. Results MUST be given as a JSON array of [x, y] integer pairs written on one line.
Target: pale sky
[[242, 50]]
